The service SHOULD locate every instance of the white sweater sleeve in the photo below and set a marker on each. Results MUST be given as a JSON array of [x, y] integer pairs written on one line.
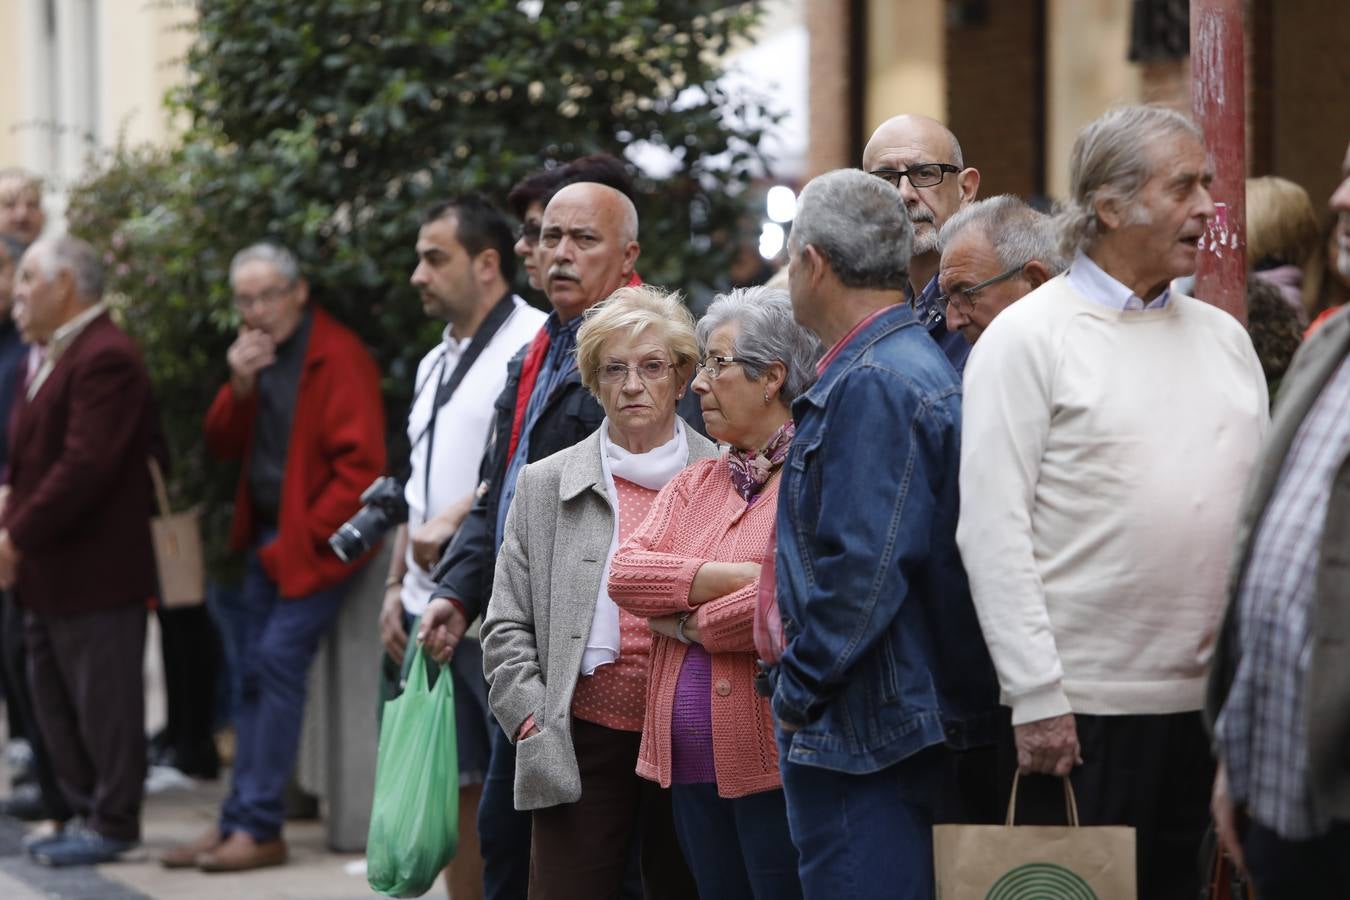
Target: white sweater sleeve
[[1006, 414]]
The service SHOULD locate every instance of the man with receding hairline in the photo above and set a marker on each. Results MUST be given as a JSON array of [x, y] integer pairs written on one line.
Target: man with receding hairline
[[588, 248], [922, 159]]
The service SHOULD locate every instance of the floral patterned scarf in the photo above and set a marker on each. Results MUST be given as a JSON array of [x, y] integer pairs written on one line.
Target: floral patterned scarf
[[750, 471]]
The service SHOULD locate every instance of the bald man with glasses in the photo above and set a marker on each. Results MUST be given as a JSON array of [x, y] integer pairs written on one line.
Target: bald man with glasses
[[922, 160]]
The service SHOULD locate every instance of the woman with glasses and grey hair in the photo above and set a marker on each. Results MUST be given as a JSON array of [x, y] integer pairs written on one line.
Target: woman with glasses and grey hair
[[693, 570], [566, 668]]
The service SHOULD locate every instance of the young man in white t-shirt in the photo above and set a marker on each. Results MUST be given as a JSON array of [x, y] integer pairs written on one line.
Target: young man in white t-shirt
[[463, 276]]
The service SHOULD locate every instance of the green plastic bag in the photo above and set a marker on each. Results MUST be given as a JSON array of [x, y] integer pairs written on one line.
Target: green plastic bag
[[414, 819]]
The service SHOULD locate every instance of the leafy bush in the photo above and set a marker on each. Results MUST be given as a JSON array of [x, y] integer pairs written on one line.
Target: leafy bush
[[330, 124]]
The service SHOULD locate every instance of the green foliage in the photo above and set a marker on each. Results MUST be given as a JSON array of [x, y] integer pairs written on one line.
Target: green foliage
[[330, 124]]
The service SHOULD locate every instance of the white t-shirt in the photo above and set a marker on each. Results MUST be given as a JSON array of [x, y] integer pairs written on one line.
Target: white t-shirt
[[461, 433], [1104, 454]]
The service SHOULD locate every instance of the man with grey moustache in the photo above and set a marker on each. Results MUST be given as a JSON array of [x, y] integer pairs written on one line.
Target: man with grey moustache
[[922, 160]]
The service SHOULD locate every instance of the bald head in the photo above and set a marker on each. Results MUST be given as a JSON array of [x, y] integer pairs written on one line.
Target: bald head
[[920, 146], [587, 247]]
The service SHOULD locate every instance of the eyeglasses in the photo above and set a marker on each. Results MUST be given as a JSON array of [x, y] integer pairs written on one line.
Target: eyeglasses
[[713, 366], [262, 298], [651, 370], [922, 175], [962, 298], [529, 232]]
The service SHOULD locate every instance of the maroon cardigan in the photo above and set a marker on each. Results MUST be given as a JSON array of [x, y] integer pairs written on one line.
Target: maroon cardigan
[[80, 496], [336, 450]]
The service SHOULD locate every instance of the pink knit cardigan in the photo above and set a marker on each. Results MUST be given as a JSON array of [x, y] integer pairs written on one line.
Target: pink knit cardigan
[[698, 517]]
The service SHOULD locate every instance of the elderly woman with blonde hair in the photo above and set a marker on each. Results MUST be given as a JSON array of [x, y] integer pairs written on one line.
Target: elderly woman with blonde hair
[[693, 570], [566, 667]]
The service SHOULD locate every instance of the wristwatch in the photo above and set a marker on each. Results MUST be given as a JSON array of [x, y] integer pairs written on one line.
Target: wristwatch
[[679, 628]]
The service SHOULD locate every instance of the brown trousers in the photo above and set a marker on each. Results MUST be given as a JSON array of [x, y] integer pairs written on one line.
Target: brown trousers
[[85, 671], [580, 851]]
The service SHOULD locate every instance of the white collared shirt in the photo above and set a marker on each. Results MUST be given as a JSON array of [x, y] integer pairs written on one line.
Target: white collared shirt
[[62, 338], [462, 427], [1098, 285]]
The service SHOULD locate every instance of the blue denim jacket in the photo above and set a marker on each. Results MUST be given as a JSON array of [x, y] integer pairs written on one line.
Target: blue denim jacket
[[884, 655]]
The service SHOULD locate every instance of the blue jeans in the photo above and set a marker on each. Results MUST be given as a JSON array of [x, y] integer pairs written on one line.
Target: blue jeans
[[279, 640], [864, 836], [737, 849], [503, 831]]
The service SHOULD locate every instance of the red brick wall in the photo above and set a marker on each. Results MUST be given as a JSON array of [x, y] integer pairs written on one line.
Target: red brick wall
[[995, 93]]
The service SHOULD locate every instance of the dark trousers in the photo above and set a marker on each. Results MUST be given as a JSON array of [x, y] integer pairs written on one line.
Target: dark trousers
[[192, 657], [737, 848], [864, 836], [280, 642], [85, 672], [580, 850], [1151, 772], [503, 830], [19, 696], [1316, 869]]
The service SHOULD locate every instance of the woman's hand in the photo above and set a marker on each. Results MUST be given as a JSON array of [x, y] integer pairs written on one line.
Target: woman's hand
[[669, 626], [717, 579], [442, 627]]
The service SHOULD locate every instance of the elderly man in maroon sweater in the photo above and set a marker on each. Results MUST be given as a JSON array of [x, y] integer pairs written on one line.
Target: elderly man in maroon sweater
[[75, 545]]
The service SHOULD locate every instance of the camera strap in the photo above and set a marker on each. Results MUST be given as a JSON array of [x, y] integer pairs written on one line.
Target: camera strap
[[496, 318]]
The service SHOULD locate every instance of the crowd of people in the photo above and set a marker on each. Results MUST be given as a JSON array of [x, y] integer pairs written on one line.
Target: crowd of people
[[741, 607]]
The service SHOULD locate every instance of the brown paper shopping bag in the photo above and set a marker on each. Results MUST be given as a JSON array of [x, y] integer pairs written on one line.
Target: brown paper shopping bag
[[1034, 862], [178, 549]]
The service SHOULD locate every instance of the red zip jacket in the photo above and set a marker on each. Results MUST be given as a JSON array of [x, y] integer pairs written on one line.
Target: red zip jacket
[[336, 450]]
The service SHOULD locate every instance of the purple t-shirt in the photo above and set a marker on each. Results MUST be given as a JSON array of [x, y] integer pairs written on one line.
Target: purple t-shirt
[[691, 740]]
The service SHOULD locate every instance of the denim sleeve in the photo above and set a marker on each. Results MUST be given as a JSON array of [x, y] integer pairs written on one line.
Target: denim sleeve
[[875, 471]]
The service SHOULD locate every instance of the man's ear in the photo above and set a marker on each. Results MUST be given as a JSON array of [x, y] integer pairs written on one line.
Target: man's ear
[[1109, 211], [969, 181], [1037, 273], [815, 264], [631, 251], [487, 265]]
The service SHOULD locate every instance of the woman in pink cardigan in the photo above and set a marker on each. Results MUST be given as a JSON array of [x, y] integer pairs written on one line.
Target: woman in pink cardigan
[[692, 569]]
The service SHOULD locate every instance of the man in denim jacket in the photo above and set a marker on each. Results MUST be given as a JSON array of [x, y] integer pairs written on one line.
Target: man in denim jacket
[[884, 663]]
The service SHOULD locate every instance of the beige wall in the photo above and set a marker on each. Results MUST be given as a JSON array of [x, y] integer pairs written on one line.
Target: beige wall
[[905, 60], [1087, 73], [10, 68], [142, 53]]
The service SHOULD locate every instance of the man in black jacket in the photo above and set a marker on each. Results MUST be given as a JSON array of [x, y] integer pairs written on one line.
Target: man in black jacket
[[588, 248]]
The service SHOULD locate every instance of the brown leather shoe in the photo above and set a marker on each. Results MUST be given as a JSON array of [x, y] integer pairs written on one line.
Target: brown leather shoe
[[240, 852], [184, 856]]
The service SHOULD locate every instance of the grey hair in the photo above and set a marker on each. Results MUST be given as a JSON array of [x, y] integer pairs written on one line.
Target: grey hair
[[860, 225], [275, 255], [769, 334], [55, 255], [1017, 232], [26, 180], [1111, 158]]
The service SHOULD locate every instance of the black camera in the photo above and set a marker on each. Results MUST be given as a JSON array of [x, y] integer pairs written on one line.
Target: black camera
[[385, 507]]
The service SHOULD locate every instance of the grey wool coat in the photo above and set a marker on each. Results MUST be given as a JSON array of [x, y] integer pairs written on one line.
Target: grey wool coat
[[1327, 688], [553, 554]]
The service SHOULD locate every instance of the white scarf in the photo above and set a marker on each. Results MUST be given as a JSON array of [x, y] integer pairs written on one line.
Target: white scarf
[[650, 470]]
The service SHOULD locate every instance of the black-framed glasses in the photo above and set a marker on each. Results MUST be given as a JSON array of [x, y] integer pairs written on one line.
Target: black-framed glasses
[[922, 175], [713, 366], [529, 232], [649, 370], [963, 298]]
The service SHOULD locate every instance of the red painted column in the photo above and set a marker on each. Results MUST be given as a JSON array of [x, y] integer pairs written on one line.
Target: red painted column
[[1219, 103]]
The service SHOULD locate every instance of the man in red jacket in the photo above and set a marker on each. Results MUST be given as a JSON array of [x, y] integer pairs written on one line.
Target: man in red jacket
[[302, 412], [75, 545]]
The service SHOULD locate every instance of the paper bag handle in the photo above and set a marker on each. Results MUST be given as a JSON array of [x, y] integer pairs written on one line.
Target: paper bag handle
[[161, 492], [1070, 802]]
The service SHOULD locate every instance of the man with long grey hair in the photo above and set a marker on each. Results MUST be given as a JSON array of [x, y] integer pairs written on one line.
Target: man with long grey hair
[[994, 252], [1108, 425], [878, 627]]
